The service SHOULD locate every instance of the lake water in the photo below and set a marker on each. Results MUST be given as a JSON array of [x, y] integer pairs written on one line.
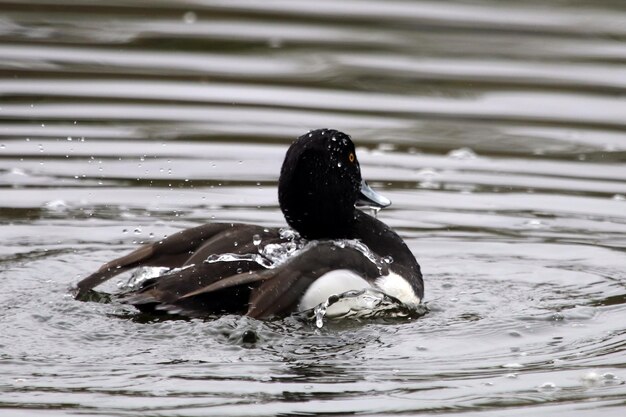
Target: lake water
[[498, 130]]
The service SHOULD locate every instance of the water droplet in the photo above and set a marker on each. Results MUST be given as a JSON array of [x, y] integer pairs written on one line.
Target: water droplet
[[512, 365], [256, 240], [427, 174], [462, 154], [137, 231], [275, 42], [287, 233], [591, 378], [388, 259], [429, 178], [320, 312], [386, 147], [190, 18], [249, 336], [558, 316], [56, 205], [535, 223], [609, 376], [547, 386]]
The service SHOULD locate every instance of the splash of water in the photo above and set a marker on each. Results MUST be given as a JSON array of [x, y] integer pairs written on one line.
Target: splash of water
[[140, 275], [274, 255], [288, 233], [371, 210], [269, 256], [234, 257], [362, 304], [380, 262], [319, 312]]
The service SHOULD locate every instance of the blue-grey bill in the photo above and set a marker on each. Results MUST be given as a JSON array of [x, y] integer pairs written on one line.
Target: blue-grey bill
[[370, 198]]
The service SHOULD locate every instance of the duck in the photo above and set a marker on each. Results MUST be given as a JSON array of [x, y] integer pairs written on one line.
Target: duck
[[331, 246]]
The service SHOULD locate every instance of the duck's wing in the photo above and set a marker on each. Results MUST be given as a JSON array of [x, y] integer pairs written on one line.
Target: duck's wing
[[195, 289], [261, 292], [181, 249]]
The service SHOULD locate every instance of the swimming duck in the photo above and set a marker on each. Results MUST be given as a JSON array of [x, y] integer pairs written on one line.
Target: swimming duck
[[332, 247]]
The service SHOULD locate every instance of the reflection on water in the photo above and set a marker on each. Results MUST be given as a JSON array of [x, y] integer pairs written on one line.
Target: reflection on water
[[498, 129]]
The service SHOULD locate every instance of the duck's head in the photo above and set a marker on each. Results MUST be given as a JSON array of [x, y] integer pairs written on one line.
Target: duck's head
[[320, 184]]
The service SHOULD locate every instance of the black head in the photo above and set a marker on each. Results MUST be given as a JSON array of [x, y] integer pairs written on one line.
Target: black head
[[320, 183]]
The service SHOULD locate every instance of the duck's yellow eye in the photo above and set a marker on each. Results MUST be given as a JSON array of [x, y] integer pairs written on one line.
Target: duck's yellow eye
[[351, 157]]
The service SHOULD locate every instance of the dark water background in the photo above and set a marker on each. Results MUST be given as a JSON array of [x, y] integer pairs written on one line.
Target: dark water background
[[497, 128]]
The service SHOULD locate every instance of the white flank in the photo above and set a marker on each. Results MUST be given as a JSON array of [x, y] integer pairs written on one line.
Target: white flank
[[398, 287], [332, 283]]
